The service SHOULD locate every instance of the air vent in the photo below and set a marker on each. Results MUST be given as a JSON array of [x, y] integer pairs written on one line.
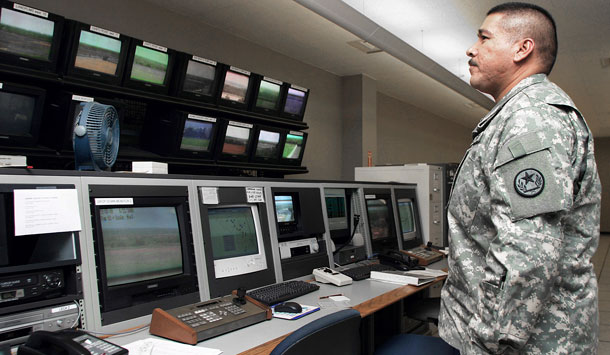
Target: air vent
[[364, 46]]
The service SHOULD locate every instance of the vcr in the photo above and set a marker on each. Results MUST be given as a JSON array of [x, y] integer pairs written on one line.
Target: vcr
[[31, 285]]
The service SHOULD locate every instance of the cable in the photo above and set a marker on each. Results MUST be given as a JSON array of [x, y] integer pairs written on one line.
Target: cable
[[123, 332], [356, 222], [73, 326]]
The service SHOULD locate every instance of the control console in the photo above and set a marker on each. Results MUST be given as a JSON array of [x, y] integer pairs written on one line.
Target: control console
[[327, 275]]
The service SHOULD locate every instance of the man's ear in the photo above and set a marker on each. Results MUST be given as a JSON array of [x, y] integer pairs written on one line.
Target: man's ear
[[525, 47]]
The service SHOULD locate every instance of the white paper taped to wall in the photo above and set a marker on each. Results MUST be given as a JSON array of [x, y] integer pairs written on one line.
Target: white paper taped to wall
[[40, 211]]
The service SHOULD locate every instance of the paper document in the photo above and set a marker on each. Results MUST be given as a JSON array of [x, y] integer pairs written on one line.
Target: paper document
[[40, 211], [151, 346]]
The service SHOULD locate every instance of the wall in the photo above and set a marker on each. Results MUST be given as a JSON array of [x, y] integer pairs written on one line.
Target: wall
[[143, 20], [602, 157], [407, 134]]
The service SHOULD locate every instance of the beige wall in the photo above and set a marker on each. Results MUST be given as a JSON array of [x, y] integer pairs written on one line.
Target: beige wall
[[407, 134], [602, 157]]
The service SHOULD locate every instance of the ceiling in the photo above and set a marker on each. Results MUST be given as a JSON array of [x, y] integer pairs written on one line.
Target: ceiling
[[401, 71]]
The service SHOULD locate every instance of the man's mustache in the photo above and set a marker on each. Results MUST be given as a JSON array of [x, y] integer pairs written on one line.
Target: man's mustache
[[472, 63]]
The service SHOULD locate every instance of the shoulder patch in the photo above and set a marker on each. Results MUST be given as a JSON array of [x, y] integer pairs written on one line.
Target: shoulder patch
[[529, 182]]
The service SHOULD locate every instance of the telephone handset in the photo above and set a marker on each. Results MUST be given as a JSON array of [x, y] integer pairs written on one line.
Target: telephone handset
[[67, 342], [398, 260]]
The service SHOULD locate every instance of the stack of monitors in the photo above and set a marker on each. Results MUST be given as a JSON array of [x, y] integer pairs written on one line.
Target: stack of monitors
[[235, 89], [29, 38], [267, 145], [197, 78], [236, 141], [294, 147], [267, 95], [294, 105], [21, 109], [97, 54], [149, 67]]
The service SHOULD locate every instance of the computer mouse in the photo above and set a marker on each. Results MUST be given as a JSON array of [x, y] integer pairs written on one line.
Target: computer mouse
[[288, 307]]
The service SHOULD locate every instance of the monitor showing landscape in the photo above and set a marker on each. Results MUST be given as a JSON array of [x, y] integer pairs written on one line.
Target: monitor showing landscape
[[236, 140], [25, 35], [295, 100], [196, 135], [292, 147], [149, 65], [235, 87], [268, 144], [268, 95], [199, 78], [98, 53]]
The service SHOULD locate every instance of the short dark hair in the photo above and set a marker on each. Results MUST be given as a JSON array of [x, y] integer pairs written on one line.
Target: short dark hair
[[541, 28]]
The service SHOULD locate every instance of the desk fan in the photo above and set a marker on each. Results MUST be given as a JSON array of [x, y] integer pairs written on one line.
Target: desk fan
[[96, 137]]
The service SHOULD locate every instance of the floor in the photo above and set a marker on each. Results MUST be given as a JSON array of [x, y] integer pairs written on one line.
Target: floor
[[601, 262]]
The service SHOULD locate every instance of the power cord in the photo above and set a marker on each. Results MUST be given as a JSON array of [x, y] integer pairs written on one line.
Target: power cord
[[356, 222]]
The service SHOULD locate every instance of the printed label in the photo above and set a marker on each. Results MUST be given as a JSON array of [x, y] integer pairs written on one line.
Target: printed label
[[31, 10], [113, 201], [271, 80], [82, 98], [245, 72], [105, 32], [204, 60], [241, 124], [154, 46], [201, 118]]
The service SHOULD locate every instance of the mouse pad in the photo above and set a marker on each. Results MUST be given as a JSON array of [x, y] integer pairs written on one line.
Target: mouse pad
[[305, 311]]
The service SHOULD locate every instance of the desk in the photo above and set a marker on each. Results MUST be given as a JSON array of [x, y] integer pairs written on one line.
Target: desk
[[367, 296]]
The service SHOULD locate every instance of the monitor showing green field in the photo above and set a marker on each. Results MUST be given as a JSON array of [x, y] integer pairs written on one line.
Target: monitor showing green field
[[293, 147], [149, 66], [268, 95], [196, 135], [25, 35], [98, 53]]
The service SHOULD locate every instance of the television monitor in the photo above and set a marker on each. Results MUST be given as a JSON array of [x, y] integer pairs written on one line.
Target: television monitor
[[295, 102], [235, 88], [267, 144], [381, 221], [236, 141], [287, 211], [149, 67], [294, 148], [408, 218], [143, 249], [21, 109], [29, 38], [197, 78], [97, 54], [267, 96], [336, 208]]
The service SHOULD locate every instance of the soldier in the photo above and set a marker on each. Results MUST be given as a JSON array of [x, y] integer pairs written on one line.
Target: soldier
[[525, 209]]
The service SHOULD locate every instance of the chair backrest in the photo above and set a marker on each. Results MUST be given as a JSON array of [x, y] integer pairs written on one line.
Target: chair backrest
[[337, 334]]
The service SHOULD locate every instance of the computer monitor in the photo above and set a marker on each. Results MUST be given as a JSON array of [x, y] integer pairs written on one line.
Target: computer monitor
[[235, 88], [267, 95], [409, 225], [144, 249], [267, 143], [336, 208], [294, 148], [96, 54], [198, 134], [197, 78], [21, 109], [29, 38], [295, 102], [381, 221], [149, 67], [236, 141]]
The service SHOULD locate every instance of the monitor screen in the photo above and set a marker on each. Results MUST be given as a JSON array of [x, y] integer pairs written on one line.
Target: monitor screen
[[380, 222], [236, 140], [406, 215], [292, 147], [26, 35], [268, 95], [149, 66], [199, 78], [197, 135], [140, 243], [235, 87], [295, 99], [268, 144], [16, 114], [284, 208], [336, 209], [98, 53], [233, 232]]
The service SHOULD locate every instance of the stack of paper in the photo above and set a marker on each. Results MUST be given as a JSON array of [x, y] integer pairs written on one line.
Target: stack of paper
[[411, 277]]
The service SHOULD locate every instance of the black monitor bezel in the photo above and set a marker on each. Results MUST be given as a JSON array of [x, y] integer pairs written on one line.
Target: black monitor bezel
[[31, 63], [291, 227], [32, 139], [145, 86], [298, 116], [180, 78], [286, 161], [222, 134], [412, 195], [116, 298], [234, 104], [390, 242], [72, 70], [267, 160], [258, 79]]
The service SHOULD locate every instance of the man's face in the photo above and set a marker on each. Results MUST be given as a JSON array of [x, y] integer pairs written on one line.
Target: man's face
[[491, 57]]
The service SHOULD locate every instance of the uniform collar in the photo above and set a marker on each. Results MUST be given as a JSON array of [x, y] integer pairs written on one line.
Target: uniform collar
[[529, 81]]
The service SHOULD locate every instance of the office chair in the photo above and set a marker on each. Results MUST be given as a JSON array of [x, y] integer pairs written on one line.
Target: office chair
[[335, 334], [424, 309], [415, 344]]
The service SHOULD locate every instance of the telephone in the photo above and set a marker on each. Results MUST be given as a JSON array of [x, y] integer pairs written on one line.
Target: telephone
[[67, 342], [398, 260]]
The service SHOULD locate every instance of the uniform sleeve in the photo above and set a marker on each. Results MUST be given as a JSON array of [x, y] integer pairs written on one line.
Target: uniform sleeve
[[530, 185]]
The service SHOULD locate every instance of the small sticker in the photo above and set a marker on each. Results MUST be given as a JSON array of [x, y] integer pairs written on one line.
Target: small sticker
[[209, 195], [271, 80], [370, 197], [201, 118], [204, 60], [236, 69], [81, 98], [299, 88], [31, 10], [255, 195], [155, 46], [529, 182], [63, 308], [296, 133], [105, 32], [114, 201], [241, 124]]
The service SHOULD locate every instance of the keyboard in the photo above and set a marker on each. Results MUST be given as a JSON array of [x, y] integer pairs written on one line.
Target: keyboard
[[282, 291], [364, 271]]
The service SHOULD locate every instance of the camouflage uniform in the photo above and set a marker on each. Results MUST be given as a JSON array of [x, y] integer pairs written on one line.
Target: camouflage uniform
[[524, 224]]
